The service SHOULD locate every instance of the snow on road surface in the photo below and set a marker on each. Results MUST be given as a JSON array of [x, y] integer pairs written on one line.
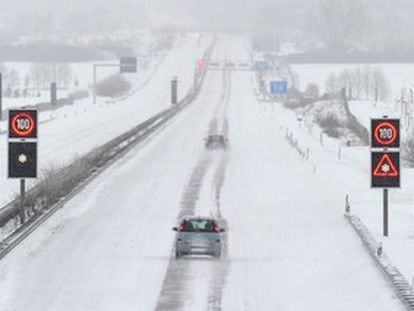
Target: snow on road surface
[[287, 244], [109, 247]]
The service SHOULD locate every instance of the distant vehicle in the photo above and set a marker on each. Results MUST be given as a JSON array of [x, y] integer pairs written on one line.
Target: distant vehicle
[[216, 142], [198, 235]]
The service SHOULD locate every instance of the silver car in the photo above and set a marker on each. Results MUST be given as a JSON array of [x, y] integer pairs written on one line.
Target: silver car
[[198, 235]]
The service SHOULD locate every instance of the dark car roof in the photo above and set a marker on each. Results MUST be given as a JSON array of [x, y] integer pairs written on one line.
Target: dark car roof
[[200, 218], [215, 136]]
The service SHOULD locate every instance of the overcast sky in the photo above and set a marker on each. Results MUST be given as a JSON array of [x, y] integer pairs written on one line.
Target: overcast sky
[[240, 14], [155, 13]]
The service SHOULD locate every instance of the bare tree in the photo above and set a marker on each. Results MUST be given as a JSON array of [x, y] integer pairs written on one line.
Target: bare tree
[[380, 84], [361, 83], [338, 23], [331, 84], [12, 78], [64, 74], [312, 91]]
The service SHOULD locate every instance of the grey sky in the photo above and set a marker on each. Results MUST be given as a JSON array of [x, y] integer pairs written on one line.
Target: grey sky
[[191, 13], [240, 14]]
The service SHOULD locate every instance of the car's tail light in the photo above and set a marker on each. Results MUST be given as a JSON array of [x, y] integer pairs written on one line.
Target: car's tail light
[[216, 229], [181, 228]]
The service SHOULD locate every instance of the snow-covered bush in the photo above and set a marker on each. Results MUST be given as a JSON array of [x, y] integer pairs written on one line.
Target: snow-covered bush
[[113, 86], [408, 151]]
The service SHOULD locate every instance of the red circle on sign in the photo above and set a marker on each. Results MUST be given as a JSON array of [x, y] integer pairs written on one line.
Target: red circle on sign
[[18, 131], [387, 141]]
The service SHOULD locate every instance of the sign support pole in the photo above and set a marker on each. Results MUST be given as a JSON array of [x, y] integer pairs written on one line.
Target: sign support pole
[[1, 97], [385, 212], [94, 83], [22, 201], [53, 93]]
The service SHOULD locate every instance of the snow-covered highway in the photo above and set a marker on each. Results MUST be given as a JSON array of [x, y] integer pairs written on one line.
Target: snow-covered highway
[[287, 244]]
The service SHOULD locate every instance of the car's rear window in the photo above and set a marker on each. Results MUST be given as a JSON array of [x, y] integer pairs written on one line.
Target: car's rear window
[[198, 225], [216, 138]]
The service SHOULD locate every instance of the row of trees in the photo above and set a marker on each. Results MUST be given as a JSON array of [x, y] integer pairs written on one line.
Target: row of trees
[[362, 83], [338, 24], [39, 77]]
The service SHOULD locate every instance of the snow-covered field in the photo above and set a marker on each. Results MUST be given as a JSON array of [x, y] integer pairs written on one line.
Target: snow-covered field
[[72, 131], [399, 75], [349, 167], [288, 246], [80, 74]]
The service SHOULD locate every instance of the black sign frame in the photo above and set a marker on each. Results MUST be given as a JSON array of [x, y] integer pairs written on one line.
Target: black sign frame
[[22, 167], [29, 114], [384, 178], [385, 126]]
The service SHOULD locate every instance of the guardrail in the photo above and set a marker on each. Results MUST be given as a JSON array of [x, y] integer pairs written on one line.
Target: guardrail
[[397, 281], [112, 151]]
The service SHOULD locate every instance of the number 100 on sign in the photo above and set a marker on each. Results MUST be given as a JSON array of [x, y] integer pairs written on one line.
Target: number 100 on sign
[[385, 133], [22, 124]]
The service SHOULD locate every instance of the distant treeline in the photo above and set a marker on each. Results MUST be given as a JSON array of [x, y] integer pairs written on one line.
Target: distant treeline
[[327, 56], [49, 52]]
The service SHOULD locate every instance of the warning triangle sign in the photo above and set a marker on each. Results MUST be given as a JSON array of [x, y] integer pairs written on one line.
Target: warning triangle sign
[[385, 167]]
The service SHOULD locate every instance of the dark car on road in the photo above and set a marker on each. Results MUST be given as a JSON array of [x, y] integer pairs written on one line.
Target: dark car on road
[[216, 142], [198, 235]]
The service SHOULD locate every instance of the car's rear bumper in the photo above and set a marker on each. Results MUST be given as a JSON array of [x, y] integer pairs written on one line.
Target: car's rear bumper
[[184, 248]]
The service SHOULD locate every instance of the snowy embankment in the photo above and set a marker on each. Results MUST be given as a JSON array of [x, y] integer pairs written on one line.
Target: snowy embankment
[[350, 168], [72, 131]]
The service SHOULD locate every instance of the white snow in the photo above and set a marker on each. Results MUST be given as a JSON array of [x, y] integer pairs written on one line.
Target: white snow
[[399, 75], [289, 246], [72, 131]]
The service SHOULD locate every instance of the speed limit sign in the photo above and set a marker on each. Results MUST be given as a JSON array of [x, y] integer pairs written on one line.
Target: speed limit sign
[[22, 124], [385, 133]]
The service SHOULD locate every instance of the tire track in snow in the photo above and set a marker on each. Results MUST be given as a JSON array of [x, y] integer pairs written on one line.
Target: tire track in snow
[[222, 267], [174, 286], [178, 275]]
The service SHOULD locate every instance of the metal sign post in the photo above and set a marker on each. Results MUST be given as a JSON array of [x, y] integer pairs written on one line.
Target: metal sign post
[[53, 93], [385, 212], [22, 211]]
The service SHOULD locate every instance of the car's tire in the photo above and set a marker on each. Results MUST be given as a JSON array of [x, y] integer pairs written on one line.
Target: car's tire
[[177, 254]]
